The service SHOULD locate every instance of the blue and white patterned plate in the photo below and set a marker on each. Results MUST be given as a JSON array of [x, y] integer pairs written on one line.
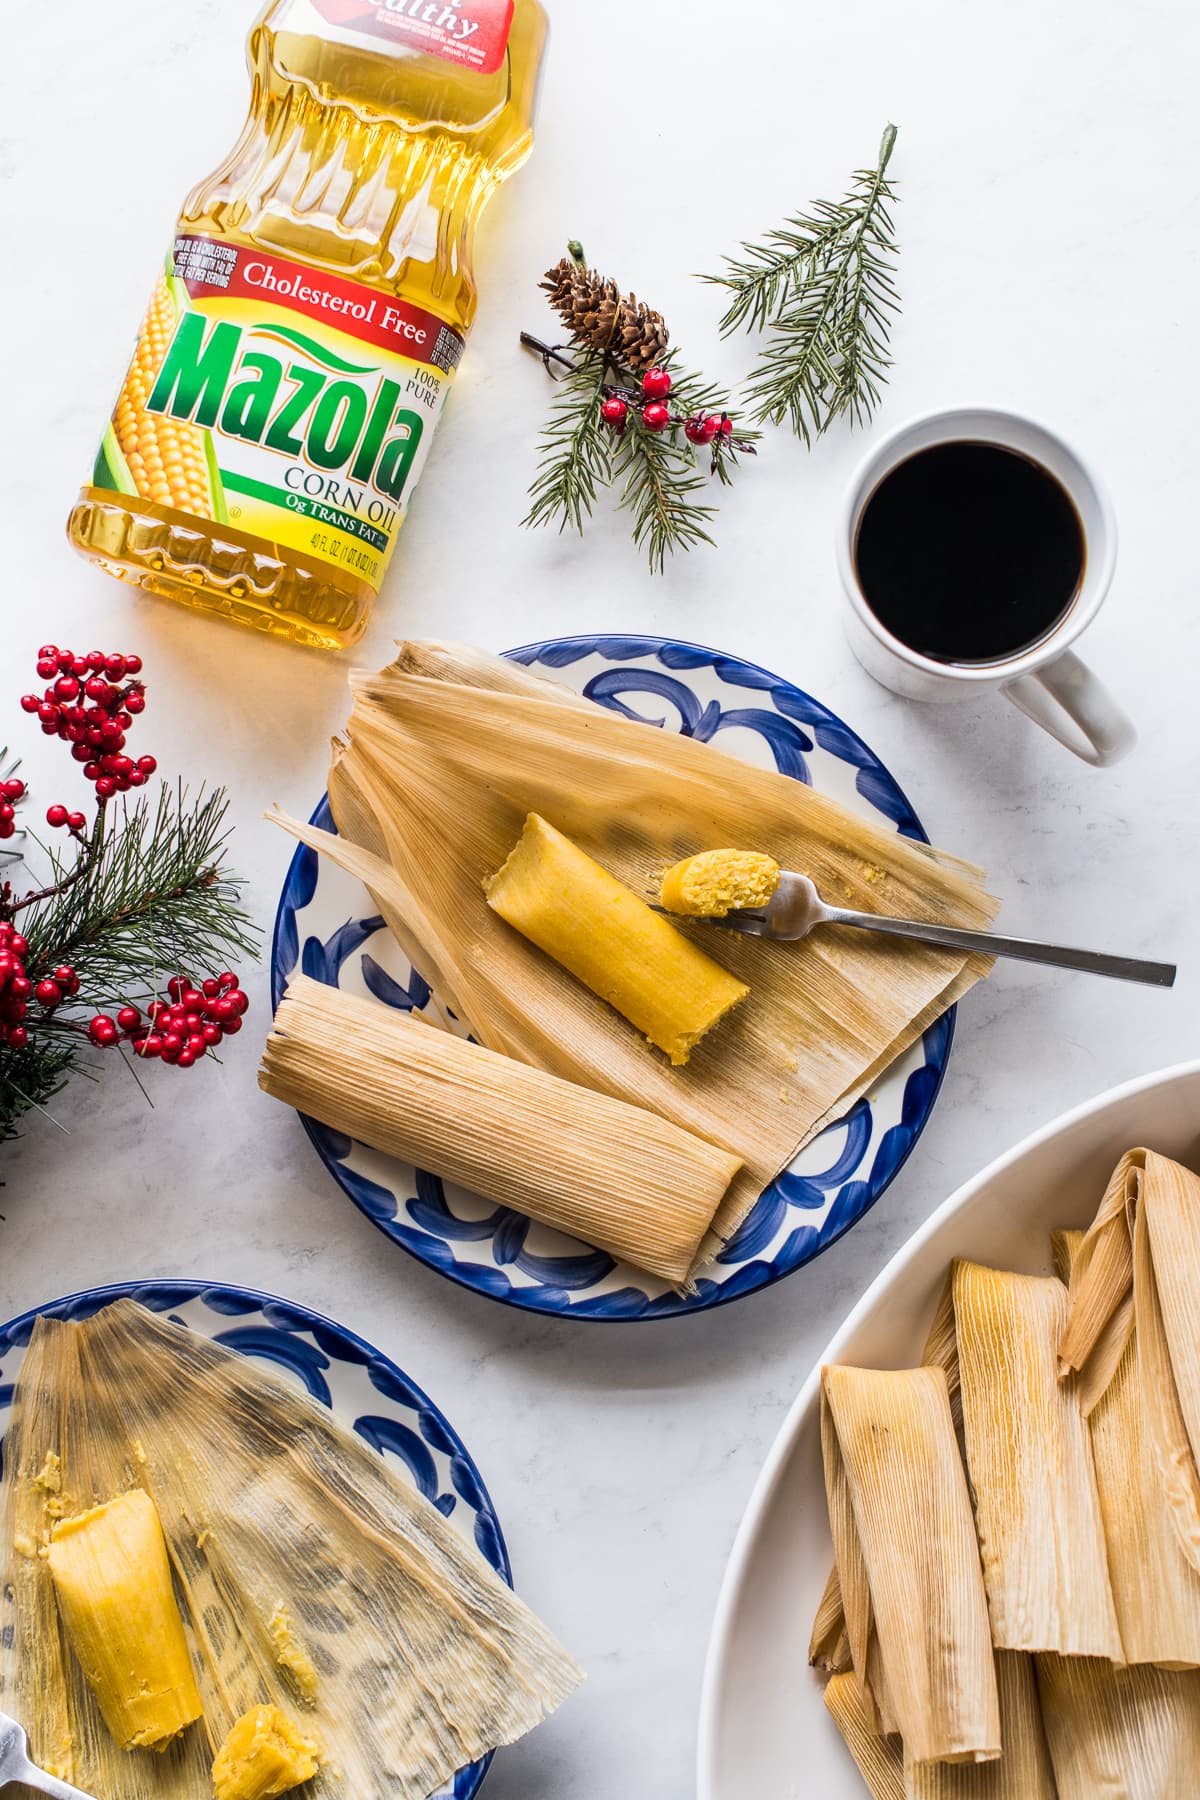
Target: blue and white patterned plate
[[365, 1391], [326, 925]]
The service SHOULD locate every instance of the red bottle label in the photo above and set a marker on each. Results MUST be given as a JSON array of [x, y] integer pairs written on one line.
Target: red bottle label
[[473, 33]]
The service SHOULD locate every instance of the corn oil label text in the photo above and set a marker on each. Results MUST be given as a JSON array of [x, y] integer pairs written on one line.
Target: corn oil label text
[[473, 33], [289, 404]]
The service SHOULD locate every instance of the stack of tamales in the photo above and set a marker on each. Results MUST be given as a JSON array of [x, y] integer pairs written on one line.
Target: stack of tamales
[[1014, 1611]]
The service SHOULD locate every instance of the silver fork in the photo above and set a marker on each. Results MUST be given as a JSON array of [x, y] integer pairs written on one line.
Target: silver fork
[[797, 908], [16, 1766]]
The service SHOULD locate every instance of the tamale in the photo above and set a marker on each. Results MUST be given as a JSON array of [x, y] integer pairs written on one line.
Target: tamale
[[263, 1756], [1021, 1772], [880, 1759], [112, 1581], [889, 1438], [1029, 1457], [1139, 1267], [613, 1174], [608, 938], [829, 1644], [421, 828], [1156, 1591], [426, 1660], [1120, 1734], [714, 883]]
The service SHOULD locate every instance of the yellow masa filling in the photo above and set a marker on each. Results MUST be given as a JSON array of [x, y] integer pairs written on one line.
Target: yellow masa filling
[[717, 882], [263, 1755]]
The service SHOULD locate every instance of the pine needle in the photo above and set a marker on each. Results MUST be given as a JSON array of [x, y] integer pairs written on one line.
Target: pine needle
[[822, 287], [575, 457]]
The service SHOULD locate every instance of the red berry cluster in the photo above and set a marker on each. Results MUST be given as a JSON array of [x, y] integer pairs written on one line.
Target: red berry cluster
[[15, 987], [656, 415], [10, 792], [90, 703], [180, 1030]]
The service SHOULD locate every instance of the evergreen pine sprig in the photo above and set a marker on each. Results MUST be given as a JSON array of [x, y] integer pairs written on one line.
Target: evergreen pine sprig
[[137, 906], [611, 426], [822, 287], [575, 457]]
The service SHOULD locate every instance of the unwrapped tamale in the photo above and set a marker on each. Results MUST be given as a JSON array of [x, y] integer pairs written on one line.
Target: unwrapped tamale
[[425, 1660]]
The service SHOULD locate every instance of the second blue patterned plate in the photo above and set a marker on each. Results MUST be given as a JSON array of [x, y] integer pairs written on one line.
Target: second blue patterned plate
[[365, 1391], [327, 926]]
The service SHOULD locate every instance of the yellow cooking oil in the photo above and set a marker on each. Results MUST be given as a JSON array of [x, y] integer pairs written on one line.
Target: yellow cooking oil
[[303, 333]]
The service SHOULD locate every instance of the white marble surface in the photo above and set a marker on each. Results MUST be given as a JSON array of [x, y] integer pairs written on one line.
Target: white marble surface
[[1049, 263]]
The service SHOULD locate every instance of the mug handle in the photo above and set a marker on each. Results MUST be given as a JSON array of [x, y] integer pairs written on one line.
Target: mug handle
[[1075, 707]]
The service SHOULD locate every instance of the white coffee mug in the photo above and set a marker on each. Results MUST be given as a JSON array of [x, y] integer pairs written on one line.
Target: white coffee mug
[[1047, 681]]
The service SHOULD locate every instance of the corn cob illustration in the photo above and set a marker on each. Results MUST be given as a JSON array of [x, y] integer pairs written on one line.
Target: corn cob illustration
[[165, 457]]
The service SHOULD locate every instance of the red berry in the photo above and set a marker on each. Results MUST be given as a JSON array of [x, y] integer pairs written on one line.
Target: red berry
[[135, 702], [18, 1037], [29, 703], [614, 410], [115, 666], [48, 652], [14, 790], [76, 821], [48, 993], [211, 987], [7, 828], [150, 1045], [66, 978], [172, 1043], [176, 986], [47, 712], [103, 1031], [20, 987], [725, 426], [186, 1058], [57, 816], [129, 1018], [106, 787], [96, 688], [656, 383], [147, 764], [46, 668], [94, 659], [227, 979], [656, 416], [230, 1026], [702, 429], [133, 665], [211, 1033], [66, 688], [17, 946]]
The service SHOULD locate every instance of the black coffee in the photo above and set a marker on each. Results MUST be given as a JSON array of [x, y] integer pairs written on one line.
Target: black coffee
[[969, 553]]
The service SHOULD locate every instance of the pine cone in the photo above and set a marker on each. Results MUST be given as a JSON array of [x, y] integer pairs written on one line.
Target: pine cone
[[596, 313]]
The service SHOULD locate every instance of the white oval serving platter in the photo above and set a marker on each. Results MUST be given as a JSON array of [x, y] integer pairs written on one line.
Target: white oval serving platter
[[764, 1730]]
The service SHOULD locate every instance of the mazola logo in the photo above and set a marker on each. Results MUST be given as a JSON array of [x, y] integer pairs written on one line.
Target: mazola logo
[[318, 415]]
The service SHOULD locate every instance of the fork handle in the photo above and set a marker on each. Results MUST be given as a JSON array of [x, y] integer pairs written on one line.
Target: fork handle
[[1059, 956], [36, 1778]]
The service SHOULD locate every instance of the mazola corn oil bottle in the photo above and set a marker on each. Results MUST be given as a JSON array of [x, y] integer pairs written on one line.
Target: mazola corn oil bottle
[[303, 335]]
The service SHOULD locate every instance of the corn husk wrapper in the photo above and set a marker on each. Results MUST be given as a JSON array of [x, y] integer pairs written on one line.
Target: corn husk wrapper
[[829, 1644], [1029, 1457], [1021, 1772], [1120, 1734], [880, 1760], [619, 1176], [1156, 1590], [449, 750], [908, 1563], [1139, 1265], [424, 1660]]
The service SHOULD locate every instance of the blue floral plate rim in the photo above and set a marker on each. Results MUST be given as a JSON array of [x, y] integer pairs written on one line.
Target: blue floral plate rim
[[334, 1340], [882, 792]]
